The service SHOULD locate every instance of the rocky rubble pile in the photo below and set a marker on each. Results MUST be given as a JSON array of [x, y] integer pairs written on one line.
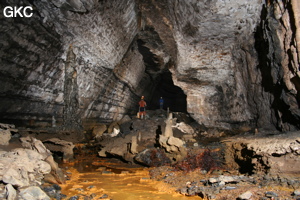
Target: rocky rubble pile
[[149, 142], [220, 184], [211, 187], [24, 170]]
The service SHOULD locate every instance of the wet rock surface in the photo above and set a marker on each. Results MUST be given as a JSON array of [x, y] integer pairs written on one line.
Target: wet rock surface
[[242, 167]]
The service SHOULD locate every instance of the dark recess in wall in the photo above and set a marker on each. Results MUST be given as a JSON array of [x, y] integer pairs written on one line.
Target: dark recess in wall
[[173, 96]]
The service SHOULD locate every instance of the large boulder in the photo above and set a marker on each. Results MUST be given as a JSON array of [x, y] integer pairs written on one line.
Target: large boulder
[[185, 128], [273, 154], [99, 130], [152, 158], [33, 193], [174, 147], [58, 145]]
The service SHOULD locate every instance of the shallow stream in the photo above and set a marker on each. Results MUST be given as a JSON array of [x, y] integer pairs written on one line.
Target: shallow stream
[[95, 178]]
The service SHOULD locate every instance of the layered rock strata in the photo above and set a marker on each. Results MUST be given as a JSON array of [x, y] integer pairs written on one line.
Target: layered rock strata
[[270, 154], [80, 63]]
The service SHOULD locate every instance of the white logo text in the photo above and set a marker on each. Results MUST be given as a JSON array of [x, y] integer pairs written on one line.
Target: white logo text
[[10, 11]]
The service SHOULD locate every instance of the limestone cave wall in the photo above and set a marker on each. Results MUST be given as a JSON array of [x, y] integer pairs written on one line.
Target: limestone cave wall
[[76, 63], [277, 44], [68, 63]]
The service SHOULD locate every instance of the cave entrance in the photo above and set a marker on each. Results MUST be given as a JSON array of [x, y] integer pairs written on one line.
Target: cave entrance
[[173, 96]]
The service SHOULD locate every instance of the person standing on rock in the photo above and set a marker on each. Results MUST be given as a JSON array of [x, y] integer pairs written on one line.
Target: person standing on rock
[[142, 108], [161, 103]]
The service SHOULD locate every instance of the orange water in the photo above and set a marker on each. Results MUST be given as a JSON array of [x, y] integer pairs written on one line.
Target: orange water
[[119, 182]]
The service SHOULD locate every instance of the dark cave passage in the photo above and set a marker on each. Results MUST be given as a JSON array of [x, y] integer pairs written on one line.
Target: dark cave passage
[[156, 67], [173, 96]]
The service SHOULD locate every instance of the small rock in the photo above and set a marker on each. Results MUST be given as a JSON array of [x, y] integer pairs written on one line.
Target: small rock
[[56, 187], [90, 187], [245, 196], [213, 180], [145, 178], [296, 193], [263, 198], [227, 179], [104, 196], [50, 191], [217, 172], [182, 190], [222, 183], [107, 172], [271, 194], [10, 192], [229, 188], [74, 198], [191, 190], [60, 196], [17, 135]]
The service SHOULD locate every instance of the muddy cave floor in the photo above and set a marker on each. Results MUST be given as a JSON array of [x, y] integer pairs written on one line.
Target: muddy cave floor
[[204, 174]]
